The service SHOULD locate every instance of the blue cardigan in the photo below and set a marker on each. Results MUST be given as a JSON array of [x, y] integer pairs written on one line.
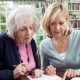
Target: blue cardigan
[[9, 56], [50, 55]]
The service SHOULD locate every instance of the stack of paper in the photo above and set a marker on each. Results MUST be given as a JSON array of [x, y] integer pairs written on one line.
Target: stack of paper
[[46, 77]]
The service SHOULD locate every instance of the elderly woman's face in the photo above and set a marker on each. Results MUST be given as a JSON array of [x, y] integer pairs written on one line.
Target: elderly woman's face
[[24, 35], [58, 26]]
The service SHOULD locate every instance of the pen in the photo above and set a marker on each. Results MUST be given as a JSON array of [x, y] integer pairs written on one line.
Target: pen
[[22, 76], [14, 66]]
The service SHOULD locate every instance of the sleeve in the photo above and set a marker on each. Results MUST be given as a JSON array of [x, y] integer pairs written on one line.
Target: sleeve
[[43, 56], [5, 74]]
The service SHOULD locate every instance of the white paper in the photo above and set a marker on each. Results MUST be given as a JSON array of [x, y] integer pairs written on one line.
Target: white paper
[[76, 78], [46, 77]]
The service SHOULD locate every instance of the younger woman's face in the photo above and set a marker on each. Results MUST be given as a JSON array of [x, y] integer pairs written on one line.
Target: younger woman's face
[[25, 34], [58, 26]]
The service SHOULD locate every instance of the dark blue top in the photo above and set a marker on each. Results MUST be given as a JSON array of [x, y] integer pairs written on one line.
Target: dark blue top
[[9, 56]]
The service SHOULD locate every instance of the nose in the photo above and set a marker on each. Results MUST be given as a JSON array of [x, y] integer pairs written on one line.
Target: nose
[[57, 26], [28, 32]]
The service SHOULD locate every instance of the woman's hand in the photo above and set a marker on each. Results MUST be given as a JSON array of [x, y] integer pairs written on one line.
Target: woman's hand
[[37, 73], [50, 70], [20, 70], [70, 73]]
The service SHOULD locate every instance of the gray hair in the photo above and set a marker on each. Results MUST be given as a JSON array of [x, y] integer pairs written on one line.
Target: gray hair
[[17, 16]]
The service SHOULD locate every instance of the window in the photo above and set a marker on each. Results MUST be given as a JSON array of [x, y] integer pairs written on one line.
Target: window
[[6, 6]]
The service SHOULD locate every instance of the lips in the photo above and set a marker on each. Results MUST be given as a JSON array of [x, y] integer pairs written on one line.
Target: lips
[[26, 38], [57, 32]]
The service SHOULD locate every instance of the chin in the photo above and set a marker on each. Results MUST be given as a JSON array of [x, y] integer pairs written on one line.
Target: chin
[[28, 41], [57, 37]]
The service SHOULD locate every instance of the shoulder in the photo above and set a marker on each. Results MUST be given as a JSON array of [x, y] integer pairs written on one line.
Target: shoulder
[[75, 36], [75, 33], [45, 42], [4, 38], [2, 35], [33, 43]]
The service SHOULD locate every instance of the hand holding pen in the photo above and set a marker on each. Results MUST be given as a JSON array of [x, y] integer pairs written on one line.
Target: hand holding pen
[[19, 70], [50, 70]]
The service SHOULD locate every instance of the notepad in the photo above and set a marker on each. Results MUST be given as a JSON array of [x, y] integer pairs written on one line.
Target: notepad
[[76, 78], [46, 77]]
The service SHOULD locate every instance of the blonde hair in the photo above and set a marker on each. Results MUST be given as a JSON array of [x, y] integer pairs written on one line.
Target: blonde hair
[[53, 10], [17, 16]]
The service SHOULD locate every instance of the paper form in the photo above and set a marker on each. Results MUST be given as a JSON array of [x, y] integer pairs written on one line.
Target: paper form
[[46, 77], [76, 78]]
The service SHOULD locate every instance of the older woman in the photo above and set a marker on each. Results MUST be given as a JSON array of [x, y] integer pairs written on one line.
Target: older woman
[[60, 51], [17, 46]]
